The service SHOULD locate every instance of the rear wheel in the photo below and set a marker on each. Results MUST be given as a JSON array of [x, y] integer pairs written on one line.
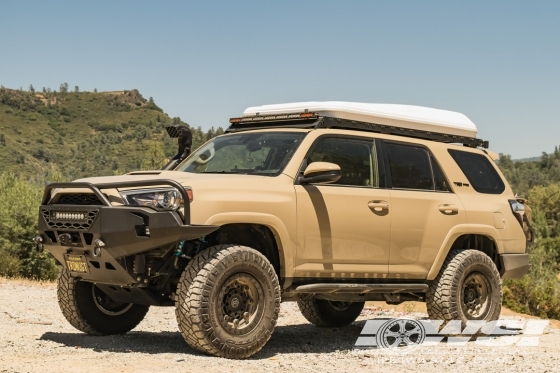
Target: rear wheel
[[91, 311], [330, 313], [468, 287], [228, 300]]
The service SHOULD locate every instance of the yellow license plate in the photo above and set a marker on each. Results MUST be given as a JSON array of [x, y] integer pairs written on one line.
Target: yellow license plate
[[76, 263]]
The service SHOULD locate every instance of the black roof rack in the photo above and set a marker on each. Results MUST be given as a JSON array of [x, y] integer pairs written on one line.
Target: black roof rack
[[315, 122]]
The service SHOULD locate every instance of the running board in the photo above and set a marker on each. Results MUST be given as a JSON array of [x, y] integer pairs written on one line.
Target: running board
[[362, 288]]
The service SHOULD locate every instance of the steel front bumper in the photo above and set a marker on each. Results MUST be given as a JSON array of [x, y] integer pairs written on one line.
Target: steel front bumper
[[105, 238]]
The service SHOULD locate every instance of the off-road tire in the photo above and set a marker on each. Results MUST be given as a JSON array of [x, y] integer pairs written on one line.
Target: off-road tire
[[448, 293], [78, 306], [201, 298], [322, 312]]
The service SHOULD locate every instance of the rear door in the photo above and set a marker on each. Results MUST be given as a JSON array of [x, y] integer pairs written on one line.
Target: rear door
[[423, 209]]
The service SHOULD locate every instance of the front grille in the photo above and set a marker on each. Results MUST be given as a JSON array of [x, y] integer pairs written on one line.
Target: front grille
[[78, 199], [69, 220]]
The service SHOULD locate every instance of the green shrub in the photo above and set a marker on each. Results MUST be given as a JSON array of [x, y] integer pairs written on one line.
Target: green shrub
[[10, 266], [19, 204], [538, 292]]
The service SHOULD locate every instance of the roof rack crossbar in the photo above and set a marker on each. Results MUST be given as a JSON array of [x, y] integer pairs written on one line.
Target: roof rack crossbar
[[347, 124], [329, 122]]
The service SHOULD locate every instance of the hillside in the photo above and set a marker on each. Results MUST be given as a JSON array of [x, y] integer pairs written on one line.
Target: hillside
[[76, 134], [524, 175], [66, 135]]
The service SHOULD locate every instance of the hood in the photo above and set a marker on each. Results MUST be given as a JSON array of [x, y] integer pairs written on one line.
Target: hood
[[184, 178]]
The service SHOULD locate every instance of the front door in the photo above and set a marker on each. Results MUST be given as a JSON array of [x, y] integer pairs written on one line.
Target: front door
[[344, 227]]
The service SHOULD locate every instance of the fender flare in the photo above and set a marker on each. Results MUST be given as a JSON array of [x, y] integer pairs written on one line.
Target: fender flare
[[460, 230], [286, 245]]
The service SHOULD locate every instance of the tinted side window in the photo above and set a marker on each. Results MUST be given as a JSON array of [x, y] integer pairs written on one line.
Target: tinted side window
[[356, 159], [440, 181], [410, 167], [479, 171]]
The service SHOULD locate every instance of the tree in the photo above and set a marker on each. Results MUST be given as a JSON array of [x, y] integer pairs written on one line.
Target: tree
[[31, 89], [76, 89], [18, 225], [155, 157], [95, 90], [64, 88]]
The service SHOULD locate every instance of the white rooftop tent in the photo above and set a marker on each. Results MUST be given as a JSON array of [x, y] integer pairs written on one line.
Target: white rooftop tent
[[402, 116]]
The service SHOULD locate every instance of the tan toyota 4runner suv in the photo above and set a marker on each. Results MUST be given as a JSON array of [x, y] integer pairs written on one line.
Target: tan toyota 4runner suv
[[329, 204]]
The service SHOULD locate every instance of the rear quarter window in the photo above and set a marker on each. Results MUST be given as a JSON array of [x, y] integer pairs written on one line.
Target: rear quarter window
[[479, 171]]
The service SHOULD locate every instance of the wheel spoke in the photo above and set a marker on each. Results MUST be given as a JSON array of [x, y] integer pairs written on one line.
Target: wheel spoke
[[396, 342], [402, 326], [416, 330]]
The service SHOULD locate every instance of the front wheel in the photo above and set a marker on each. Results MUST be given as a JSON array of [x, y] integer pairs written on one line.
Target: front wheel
[[468, 287], [91, 311], [228, 300], [330, 313]]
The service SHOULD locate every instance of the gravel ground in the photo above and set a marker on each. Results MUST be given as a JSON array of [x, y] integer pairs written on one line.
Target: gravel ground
[[34, 337]]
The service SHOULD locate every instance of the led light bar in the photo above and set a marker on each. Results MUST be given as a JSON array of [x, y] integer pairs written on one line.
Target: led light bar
[[61, 215], [274, 118]]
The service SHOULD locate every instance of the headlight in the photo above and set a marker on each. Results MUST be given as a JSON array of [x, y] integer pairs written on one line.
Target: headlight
[[160, 199]]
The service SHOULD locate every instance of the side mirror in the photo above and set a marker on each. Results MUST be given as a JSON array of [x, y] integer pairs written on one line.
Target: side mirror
[[321, 172]]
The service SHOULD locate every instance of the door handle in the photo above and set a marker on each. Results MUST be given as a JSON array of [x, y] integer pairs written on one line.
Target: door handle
[[448, 209], [378, 206]]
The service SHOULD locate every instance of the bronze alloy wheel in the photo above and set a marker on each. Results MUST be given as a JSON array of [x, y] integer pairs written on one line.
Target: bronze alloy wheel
[[468, 287], [228, 300], [474, 296], [242, 303]]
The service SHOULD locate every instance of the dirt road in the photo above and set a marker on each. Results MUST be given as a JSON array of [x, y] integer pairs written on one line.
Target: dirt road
[[34, 337]]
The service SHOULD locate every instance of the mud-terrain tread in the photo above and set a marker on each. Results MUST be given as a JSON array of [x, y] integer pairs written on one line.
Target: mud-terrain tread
[[196, 280], [441, 302], [312, 309], [67, 300]]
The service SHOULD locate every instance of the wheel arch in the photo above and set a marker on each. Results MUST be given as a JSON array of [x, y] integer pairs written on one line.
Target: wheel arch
[[481, 237], [263, 232]]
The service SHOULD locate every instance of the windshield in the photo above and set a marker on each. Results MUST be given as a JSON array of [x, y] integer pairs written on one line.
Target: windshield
[[265, 153]]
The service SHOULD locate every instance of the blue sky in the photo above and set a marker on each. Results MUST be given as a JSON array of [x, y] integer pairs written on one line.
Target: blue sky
[[498, 62]]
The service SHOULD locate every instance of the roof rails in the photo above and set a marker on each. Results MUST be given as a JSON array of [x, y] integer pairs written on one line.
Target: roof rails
[[314, 121]]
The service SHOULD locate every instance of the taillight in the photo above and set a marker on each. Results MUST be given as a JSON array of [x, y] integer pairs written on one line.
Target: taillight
[[518, 210]]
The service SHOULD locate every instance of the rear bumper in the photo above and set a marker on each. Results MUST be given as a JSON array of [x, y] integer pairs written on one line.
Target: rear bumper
[[514, 265], [124, 230]]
